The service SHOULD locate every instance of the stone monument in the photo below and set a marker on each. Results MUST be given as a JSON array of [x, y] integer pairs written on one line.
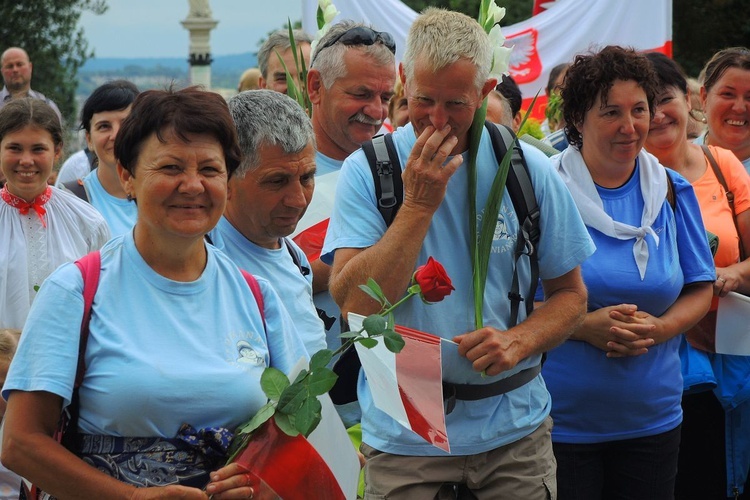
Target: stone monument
[[200, 23]]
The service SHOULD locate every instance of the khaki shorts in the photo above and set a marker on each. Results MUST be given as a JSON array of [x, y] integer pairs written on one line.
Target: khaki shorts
[[524, 470]]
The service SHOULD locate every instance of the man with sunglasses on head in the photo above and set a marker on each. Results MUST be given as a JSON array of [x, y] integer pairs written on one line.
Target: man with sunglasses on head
[[497, 411], [350, 83]]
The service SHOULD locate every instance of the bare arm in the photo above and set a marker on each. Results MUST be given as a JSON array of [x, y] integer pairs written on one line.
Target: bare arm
[[495, 351], [321, 273], [30, 451], [391, 260]]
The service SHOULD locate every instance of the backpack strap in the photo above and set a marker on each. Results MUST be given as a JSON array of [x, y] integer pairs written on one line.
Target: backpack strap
[[386, 171], [77, 188], [304, 271], [257, 293], [527, 210]]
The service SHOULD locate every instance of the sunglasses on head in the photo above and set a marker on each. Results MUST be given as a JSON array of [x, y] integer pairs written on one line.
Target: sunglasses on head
[[362, 35]]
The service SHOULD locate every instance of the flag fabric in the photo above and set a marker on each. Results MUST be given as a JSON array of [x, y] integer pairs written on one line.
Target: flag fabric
[[408, 386], [311, 229], [324, 465], [565, 28]]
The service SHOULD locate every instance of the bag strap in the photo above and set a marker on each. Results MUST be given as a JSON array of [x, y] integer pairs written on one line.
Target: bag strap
[[730, 195], [257, 293], [524, 201], [77, 188], [386, 171], [304, 271]]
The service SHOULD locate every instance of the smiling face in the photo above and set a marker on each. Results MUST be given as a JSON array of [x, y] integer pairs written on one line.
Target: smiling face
[[180, 187], [269, 201], [668, 128], [26, 159], [614, 131], [727, 108], [101, 137], [353, 109]]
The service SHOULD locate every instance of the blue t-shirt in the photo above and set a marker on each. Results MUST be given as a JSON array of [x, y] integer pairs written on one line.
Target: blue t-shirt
[[160, 352], [277, 266], [473, 426], [598, 399], [119, 213]]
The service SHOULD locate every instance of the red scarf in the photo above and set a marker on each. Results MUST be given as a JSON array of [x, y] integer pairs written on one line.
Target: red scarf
[[24, 206]]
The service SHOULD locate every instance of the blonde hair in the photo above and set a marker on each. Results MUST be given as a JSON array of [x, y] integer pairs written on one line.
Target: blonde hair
[[9, 341], [441, 37]]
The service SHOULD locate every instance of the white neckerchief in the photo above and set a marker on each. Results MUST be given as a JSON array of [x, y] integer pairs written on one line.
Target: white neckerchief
[[653, 182]]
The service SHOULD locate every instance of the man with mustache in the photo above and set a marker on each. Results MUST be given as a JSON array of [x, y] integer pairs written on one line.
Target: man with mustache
[[350, 83], [267, 196]]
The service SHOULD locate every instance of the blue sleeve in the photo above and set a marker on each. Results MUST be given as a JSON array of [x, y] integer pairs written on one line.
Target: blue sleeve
[[355, 221], [696, 260], [47, 355], [285, 346]]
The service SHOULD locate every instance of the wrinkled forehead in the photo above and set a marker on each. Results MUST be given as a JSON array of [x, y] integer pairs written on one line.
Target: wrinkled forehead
[[14, 56]]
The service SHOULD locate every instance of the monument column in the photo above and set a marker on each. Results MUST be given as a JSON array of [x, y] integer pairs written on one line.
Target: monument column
[[200, 23]]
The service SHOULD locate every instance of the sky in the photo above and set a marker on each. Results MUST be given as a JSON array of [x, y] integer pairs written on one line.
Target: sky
[[151, 28]]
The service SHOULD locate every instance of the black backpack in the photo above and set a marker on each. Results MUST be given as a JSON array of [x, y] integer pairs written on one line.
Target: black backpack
[[389, 190]]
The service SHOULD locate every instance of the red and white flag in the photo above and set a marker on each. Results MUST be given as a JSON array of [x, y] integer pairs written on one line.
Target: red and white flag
[[408, 386], [324, 466]]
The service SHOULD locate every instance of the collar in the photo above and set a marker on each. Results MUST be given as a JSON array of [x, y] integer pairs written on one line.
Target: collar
[[23, 206]]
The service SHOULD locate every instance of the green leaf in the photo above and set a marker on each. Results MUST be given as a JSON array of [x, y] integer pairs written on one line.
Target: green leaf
[[320, 18], [321, 381], [273, 382], [286, 424], [374, 324], [393, 341], [307, 418], [380, 300], [292, 398], [475, 135], [350, 335], [368, 342], [266, 411], [36, 288], [237, 446], [320, 359], [301, 377]]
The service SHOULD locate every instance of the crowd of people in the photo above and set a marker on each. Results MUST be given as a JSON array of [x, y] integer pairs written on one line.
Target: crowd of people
[[196, 242]]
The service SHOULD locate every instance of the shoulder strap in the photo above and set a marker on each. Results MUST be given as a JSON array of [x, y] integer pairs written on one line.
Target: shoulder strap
[[304, 271], [730, 195], [670, 192], [386, 171], [527, 210], [255, 288], [76, 187]]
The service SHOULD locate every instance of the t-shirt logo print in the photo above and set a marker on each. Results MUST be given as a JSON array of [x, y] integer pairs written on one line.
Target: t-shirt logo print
[[246, 354]]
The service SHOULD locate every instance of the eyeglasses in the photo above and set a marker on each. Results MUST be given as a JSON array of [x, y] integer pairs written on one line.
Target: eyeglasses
[[362, 35]]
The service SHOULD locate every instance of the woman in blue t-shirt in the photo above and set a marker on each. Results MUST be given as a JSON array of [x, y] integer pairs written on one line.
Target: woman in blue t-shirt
[[616, 384], [178, 338]]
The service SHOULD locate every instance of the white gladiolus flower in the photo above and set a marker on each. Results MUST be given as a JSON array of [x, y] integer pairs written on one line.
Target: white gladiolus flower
[[496, 13], [330, 12], [500, 54]]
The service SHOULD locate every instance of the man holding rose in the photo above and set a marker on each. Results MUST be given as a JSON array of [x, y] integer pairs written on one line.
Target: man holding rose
[[500, 441]]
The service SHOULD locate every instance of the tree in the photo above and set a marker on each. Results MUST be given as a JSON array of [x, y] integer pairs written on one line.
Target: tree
[[48, 30]]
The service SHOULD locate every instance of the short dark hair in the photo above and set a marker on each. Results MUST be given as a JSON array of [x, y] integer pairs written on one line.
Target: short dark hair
[[668, 72], [509, 89], [553, 74], [20, 113], [187, 111], [732, 57], [592, 75], [110, 96]]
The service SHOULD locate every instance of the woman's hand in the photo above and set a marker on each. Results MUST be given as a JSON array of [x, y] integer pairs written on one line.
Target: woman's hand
[[232, 481], [728, 279], [619, 330], [169, 493]]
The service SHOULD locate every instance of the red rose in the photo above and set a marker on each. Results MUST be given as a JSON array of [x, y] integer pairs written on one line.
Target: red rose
[[433, 281]]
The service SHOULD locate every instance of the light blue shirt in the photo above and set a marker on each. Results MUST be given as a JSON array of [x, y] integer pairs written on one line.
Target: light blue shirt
[[160, 352], [277, 266], [473, 426], [119, 213]]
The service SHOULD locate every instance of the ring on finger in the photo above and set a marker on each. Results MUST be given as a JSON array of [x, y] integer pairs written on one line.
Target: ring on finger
[[722, 279]]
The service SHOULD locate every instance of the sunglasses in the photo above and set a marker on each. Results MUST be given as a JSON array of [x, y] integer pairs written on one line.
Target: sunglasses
[[362, 35]]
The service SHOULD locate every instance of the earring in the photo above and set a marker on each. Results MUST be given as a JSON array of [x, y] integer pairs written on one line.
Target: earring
[[130, 197]]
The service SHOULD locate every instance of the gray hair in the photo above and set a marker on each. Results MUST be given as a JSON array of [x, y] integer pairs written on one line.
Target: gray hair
[[279, 40], [442, 37], [266, 117], [330, 61]]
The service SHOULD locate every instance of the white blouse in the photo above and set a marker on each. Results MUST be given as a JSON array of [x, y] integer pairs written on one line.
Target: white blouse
[[30, 249]]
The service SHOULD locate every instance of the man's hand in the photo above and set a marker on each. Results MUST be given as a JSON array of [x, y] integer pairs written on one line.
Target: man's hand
[[427, 174], [490, 350]]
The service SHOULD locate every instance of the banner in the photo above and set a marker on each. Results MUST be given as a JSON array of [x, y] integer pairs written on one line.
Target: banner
[[554, 36]]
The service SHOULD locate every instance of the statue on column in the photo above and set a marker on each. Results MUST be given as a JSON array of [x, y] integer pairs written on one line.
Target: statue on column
[[199, 8]]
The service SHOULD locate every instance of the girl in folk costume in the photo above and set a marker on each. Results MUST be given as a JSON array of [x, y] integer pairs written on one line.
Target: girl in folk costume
[[40, 227]]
